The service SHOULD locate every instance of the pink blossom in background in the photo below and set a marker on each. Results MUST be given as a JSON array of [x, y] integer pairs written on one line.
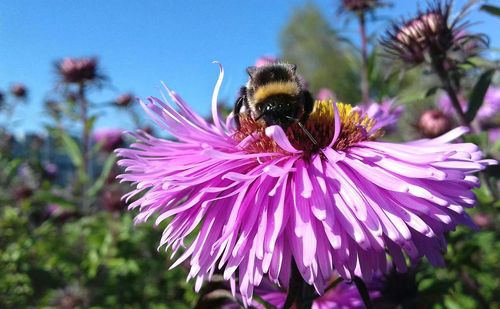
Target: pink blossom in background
[[386, 113], [489, 109], [494, 135], [433, 122], [250, 201], [78, 70], [124, 99], [19, 91], [109, 138], [342, 295], [325, 94], [491, 105], [265, 60]]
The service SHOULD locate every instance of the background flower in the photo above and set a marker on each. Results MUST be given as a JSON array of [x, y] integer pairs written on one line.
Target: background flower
[[433, 123], [109, 138]]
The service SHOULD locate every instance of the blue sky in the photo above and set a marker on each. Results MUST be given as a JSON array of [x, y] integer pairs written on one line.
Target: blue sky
[[140, 43]]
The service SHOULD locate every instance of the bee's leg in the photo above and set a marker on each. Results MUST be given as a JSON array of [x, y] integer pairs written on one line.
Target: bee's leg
[[308, 105], [241, 102]]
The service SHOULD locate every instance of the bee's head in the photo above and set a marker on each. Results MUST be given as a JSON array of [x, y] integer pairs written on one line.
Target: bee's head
[[273, 79]]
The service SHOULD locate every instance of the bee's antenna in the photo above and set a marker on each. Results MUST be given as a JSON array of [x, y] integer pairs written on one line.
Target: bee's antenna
[[304, 129]]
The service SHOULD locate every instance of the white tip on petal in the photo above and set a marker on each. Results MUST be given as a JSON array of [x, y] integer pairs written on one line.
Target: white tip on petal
[[215, 95], [336, 125], [279, 136]]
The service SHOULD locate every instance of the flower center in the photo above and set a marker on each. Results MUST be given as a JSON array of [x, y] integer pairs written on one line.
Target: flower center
[[355, 127]]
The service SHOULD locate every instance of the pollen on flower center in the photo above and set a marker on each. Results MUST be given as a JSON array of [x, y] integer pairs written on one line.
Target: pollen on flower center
[[355, 127]]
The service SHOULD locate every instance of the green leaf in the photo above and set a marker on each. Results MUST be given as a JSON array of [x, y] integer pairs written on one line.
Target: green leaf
[[477, 95], [363, 292], [11, 168], [432, 91], [100, 182], [493, 10], [91, 121], [262, 302], [51, 198], [72, 148]]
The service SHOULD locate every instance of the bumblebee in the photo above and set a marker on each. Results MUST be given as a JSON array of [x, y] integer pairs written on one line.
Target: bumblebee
[[274, 95]]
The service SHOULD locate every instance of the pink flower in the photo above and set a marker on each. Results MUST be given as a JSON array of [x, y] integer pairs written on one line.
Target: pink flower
[[250, 201], [124, 100], [494, 135], [109, 138], [386, 114], [433, 123], [19, 91], [342, 295], [78, 70], [488, 110], [265, 60], [325, 94]]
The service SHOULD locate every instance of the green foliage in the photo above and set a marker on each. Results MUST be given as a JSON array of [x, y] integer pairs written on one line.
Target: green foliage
[[493, 10], [98, 261], [477, 95], [322, 58], [471, 278]]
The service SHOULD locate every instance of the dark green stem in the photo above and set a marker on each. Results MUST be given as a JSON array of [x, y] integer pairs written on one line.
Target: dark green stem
[[299, 292], [365, 85], [444, 77], [363, 291], [84, 105]]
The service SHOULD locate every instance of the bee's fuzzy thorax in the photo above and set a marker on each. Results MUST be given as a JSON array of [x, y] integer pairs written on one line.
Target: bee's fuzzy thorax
[[274, 88]]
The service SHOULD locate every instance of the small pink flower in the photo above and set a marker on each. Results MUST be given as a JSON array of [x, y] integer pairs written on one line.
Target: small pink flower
[[325, 94], [19, 91], [342, 295], [265, 60], [109, 138], [488, 110], [433, 123], [124, 100], [386, 114], [78, 70]]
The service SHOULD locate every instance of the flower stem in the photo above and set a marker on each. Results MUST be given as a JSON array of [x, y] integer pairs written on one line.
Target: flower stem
[[474, 129], [444, 77], [299, 291], [363, 291], [365, 85], [85, 139], [455, 102]]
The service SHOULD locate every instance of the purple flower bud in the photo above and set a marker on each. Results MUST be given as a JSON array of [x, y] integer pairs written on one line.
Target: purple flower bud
[[109, 138], [19, 91], [265, 60], [494, 135], [21, 192], [124, 100], [78, 70], [433, 33], [111, 200], [433, 123], [325, 94], [50, 170], [482, 220], [361, 5]]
